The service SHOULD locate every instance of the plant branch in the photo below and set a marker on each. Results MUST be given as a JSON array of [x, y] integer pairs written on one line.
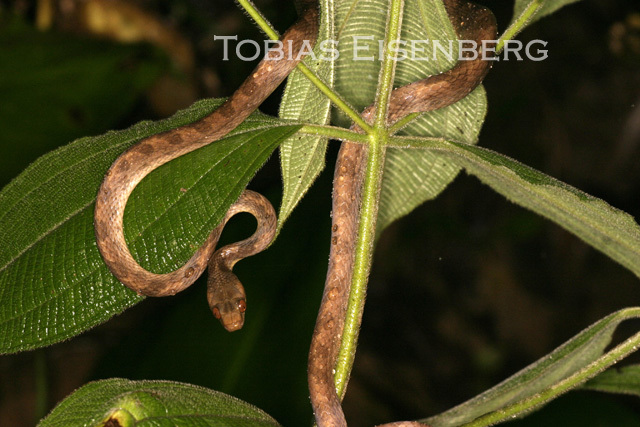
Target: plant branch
[[518, 24], [369, 207], [402, 122], [259, 19], [385, 83], [591, 370], [335, 98]]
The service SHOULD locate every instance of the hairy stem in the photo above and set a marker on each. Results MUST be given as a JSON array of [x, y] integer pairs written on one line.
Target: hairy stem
[[335, 98], [259, 19], [402, 122], [369, 206], [616, 354], [518, 24]]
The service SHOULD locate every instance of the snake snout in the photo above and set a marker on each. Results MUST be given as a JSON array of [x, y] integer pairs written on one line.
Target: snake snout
[[231, 314], [234, 326]]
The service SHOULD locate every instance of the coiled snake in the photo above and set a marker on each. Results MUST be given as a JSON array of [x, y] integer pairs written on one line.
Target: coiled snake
[[225, 293]]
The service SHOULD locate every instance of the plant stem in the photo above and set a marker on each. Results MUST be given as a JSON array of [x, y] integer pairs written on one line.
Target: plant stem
[[402, 122], [591, 370], [259, 19], [518, 24], [362, 263], [337, 100], [420, 142], [369, 207], [385, 82]]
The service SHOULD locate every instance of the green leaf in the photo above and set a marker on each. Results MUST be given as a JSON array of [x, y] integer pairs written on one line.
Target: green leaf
[[302, 156], [625, 380], [152, 403], [53, 283], [570, 365], [604, 227], [360, 27], [410, 177]]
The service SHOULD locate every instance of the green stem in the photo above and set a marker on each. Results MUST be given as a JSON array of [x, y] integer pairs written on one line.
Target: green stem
[[387, 72], [259, 19], [334, 97], [518, 24], [337, 100], [368, 209], [591, 370], [362, 264], [402, 122], [421, 142]]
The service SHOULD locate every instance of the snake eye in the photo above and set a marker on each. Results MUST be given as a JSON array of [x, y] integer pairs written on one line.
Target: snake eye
[[216, 313], [242, 306]]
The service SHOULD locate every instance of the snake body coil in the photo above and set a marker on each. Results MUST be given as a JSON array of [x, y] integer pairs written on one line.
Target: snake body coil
[[152, 152]]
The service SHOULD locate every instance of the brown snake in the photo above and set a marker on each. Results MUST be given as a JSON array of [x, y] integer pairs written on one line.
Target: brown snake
[[225, 293], [471, 22]]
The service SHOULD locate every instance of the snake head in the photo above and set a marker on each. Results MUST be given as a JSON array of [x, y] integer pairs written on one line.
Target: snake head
[[226, 298]]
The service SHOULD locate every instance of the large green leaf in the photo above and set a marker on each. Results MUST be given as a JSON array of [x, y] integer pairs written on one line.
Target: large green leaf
[[604, 227], [53, 283], [410, 177], [302, 156], [120, 402], [565, 368]]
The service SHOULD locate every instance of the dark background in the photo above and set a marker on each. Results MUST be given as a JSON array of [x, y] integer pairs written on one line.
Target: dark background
[[464, 292]]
